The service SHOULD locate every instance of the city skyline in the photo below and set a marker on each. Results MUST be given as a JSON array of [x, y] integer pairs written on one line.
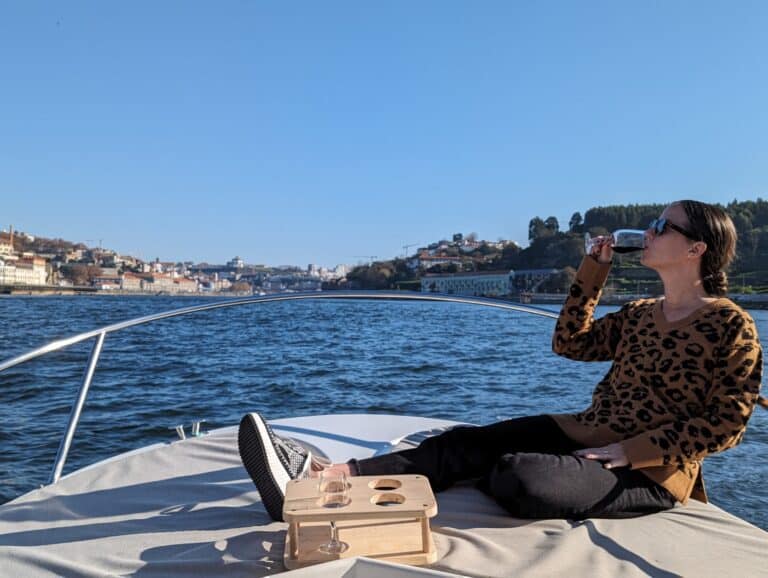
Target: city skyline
[[11, 231], [290, 135]]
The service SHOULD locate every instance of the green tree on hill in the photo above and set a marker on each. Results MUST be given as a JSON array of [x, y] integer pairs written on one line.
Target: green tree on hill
[[575, 224], [80, 274], [552, 226], [536, 228], [381, 275], [620, 217]]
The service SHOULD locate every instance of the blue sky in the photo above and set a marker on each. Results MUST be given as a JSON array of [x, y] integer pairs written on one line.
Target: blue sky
[[314, 132]]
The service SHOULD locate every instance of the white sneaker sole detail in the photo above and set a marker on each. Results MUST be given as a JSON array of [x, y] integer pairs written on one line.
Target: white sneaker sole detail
[[263, 463], [279, 474]]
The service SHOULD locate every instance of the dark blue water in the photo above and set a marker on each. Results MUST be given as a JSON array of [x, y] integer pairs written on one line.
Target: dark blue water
[[450, 361]]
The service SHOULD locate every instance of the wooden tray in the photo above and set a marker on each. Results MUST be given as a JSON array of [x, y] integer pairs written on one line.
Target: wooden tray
[[387, 519]]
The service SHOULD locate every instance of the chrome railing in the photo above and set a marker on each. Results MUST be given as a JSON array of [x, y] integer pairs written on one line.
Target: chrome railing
[[99, 336]]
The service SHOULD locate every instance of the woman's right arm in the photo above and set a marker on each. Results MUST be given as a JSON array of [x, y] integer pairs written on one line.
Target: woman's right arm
[[578, 335]]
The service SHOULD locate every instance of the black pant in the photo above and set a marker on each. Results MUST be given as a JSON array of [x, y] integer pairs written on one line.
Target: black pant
[[526, 465]]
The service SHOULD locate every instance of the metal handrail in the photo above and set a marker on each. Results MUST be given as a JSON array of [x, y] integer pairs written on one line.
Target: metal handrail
[[100, 335]]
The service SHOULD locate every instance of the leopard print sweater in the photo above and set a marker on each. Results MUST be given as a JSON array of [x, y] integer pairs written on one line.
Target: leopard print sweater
[[675, 391]]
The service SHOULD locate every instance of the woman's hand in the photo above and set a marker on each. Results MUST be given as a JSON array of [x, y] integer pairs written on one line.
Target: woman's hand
[[602, 250], [612, 455]]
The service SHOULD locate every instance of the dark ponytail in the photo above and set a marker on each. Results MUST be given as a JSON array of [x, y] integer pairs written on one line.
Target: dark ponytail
[[713, 226], [716, 284]]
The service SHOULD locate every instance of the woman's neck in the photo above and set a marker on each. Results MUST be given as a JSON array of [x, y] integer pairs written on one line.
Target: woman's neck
[[685, 300], [682, 291]]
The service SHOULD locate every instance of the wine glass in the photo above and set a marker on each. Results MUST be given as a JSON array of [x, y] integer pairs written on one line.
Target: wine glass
[[622, 241], [334, 493]]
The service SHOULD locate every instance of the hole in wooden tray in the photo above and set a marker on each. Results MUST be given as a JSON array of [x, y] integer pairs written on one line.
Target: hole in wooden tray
[[333, 501], [385, 485], [388, 499], [333, 486]]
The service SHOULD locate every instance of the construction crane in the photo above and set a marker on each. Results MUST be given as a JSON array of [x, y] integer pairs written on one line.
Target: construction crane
[[406, 247]]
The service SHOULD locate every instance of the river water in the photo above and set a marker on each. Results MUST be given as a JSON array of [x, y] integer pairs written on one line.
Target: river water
[[445, 360]]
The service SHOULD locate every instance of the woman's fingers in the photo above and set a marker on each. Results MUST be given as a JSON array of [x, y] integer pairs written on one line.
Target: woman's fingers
[[606, 253], [597, 244], [593, 453], [602, 249], [612, 456]]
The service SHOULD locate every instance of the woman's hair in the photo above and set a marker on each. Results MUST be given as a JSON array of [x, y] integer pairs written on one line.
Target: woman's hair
[[713, 226]]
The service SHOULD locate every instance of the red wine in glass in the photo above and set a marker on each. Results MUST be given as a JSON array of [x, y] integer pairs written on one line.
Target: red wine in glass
[[622, 241]]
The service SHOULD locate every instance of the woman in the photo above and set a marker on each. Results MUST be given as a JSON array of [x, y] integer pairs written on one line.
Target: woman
[[684, 380]]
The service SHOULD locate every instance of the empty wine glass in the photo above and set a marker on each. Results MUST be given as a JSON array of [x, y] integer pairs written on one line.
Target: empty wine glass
[[334, 493], [622, 241]]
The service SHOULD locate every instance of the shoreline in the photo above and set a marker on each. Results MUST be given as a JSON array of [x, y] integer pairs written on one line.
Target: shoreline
[[52, 293], [750, 301]]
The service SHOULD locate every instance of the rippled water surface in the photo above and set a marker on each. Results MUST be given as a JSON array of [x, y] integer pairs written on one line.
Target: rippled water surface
[[286, 359]]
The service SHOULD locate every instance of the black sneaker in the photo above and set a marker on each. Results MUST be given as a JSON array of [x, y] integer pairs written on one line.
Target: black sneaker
[[271, 461]]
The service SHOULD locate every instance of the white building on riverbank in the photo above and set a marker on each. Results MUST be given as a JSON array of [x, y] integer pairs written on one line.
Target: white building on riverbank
[[487, 283], [27, 271], [156, 283]]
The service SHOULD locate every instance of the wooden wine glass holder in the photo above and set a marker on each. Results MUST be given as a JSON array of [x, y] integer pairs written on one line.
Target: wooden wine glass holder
[[387, 518]]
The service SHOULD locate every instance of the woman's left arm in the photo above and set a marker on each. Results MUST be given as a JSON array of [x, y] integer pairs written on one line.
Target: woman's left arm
[[578, 335], [737, 376]]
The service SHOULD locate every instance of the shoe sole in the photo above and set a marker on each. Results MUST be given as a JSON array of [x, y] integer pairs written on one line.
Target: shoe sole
[[262, 464]]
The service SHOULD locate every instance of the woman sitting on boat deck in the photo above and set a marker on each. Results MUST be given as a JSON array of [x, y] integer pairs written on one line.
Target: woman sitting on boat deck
[[685, 376]]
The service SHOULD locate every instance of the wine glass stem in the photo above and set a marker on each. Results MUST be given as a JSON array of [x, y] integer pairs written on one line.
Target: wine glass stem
[[334, 534]]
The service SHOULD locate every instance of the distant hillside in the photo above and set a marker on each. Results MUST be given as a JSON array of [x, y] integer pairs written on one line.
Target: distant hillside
[[551, 247], [40, 245]]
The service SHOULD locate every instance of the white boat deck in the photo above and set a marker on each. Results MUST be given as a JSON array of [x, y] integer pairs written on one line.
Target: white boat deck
[[189, 509]]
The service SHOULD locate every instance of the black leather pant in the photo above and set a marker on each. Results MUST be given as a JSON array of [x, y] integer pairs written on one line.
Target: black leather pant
[[526, 465]]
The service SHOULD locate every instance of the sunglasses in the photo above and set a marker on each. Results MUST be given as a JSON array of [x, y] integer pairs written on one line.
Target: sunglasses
[[659, 226]]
